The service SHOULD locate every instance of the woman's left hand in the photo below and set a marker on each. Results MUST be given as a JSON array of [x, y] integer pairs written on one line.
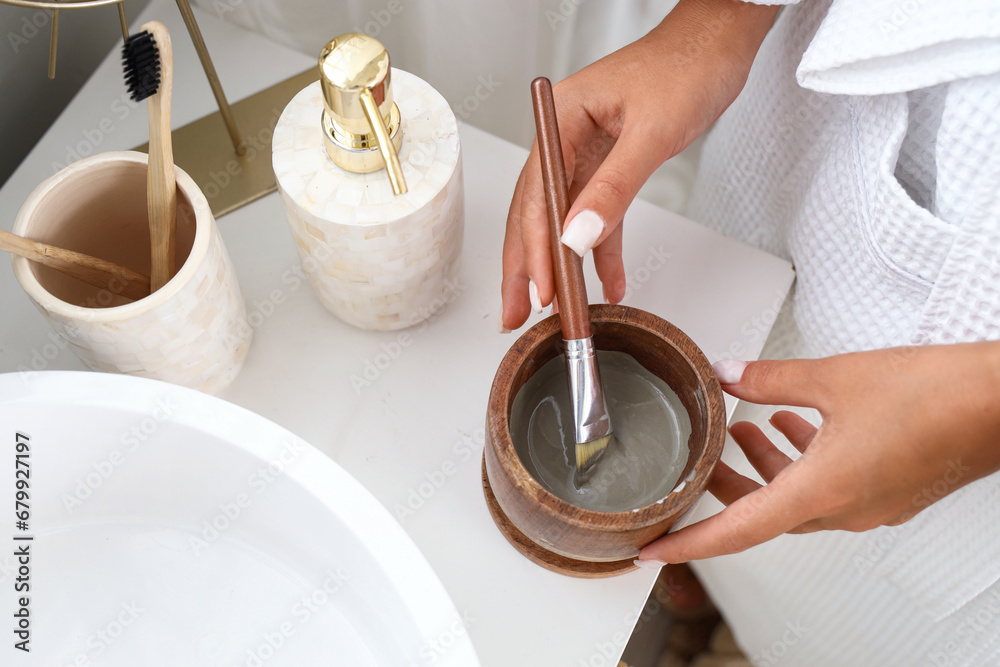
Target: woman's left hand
[[899, 426]]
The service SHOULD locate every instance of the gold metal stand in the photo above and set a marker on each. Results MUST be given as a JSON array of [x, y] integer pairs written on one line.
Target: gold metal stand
[[204, 151], [213, 77], [67, 4], [227, 153]]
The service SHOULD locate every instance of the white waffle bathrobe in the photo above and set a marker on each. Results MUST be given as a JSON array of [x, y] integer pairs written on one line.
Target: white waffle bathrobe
[[866, 148]]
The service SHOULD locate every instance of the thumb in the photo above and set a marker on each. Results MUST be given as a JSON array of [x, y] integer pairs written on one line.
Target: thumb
[[601, 205], [757, 517], [792, 382]]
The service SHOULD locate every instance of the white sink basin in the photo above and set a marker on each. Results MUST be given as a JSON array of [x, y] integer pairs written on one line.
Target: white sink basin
[[174, 528]]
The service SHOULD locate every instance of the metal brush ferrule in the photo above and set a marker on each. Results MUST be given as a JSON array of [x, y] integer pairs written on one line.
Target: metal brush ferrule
[[590, 412]]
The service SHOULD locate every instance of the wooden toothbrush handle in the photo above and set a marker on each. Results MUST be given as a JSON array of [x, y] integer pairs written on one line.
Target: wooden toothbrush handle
[[161, 186], [567, 266], [91, 270]]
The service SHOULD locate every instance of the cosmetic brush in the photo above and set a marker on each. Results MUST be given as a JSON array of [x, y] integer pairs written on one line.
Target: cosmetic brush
[[91, 270], [148, 63], [592, 426]]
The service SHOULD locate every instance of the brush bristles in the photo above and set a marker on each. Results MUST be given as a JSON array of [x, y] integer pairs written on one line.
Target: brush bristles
[[141, 61], [587, 451]]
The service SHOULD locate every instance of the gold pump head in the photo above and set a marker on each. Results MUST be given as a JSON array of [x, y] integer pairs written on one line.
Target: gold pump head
[[361, 127]]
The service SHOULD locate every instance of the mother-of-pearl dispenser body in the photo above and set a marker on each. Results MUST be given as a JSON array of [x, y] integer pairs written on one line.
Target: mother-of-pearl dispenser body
[[380, 245]]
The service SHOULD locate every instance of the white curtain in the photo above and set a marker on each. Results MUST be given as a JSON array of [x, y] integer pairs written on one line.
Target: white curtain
[[480, 55]]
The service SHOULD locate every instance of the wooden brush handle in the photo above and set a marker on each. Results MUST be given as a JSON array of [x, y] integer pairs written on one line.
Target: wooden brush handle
[[161, 186], [91, 270], [567, 266]]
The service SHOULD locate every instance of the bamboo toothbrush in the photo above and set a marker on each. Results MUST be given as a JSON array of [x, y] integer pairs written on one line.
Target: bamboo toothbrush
[[91, 270], [149, 71], [590, 412]]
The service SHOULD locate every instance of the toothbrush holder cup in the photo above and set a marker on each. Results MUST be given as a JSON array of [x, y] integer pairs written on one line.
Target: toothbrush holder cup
[[193, 331]]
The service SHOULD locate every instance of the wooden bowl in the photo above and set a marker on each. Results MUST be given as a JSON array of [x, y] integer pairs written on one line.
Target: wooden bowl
[[555, 533]]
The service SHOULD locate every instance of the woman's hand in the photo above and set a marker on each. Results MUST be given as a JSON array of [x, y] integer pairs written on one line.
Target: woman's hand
[[901, 429], [620, 119]]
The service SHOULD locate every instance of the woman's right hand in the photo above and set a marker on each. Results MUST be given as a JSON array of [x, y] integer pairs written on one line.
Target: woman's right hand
[[619, 119]]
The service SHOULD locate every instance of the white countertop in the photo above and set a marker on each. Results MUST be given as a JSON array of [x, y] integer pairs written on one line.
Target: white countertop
[[414, 433]]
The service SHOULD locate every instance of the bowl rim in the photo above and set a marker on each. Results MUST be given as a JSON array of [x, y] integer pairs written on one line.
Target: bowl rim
[[498, 421]]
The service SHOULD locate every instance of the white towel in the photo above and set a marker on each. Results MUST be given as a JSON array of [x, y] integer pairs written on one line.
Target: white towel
[[874, 48], [866, 148]]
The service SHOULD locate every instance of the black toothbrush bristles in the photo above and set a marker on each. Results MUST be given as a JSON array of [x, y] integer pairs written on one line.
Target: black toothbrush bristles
[[141, 61]]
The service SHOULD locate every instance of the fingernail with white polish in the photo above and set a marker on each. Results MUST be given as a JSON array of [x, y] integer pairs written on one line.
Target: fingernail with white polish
[[536, 302], [729, 371], [650, 564], [500, 327], [582, 232]]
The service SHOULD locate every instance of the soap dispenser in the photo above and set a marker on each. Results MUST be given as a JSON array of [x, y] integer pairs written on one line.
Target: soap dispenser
[[369, 168]]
